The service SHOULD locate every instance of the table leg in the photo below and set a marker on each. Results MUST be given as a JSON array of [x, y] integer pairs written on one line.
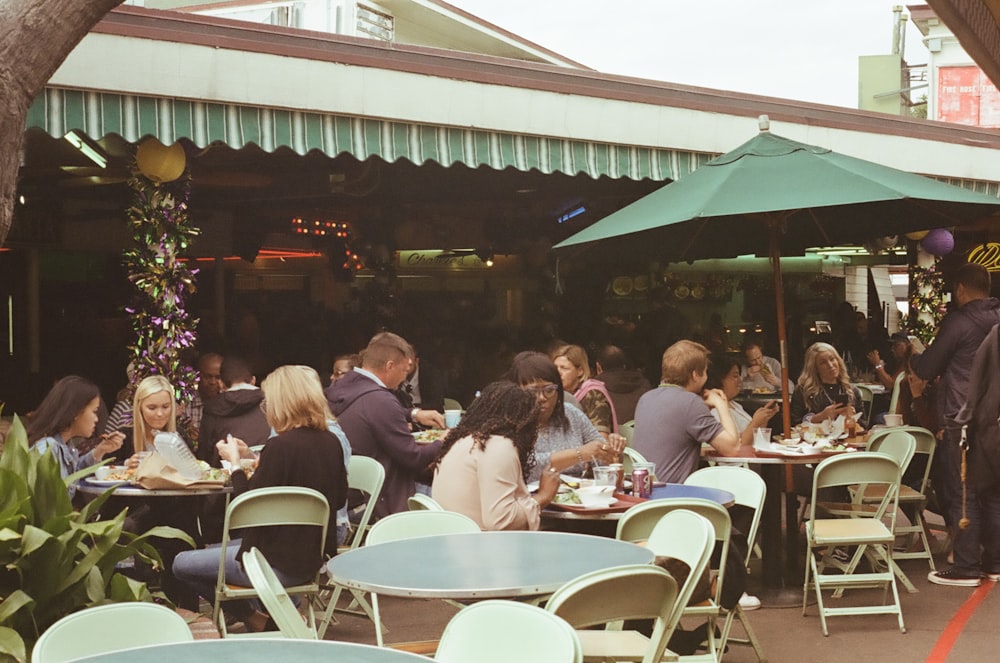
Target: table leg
[[770, 526], [782, 572]]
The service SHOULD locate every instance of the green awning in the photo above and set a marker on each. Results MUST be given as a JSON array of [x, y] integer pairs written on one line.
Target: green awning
[[204, 123]]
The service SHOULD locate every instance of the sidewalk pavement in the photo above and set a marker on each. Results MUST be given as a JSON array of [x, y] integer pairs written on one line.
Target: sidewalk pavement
[[786, 636]]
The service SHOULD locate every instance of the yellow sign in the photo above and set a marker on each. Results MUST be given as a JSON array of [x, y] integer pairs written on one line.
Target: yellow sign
[[987, 255], [439, 260]]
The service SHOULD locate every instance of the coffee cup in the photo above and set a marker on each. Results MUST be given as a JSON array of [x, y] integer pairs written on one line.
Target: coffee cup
[[452, 417], [892, 420]]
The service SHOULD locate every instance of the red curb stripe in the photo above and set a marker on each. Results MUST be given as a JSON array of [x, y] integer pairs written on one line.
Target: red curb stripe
[[954, 628]]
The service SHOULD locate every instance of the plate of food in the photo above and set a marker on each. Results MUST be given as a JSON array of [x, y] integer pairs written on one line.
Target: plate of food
[[111, 475], [618, 504], [429, 436], [682, 291], [697, 292]]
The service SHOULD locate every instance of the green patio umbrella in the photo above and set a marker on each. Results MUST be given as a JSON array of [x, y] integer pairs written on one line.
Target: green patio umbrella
[[774, 196]]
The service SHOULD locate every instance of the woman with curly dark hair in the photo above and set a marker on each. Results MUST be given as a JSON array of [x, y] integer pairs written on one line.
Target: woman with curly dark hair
[[485, 459]]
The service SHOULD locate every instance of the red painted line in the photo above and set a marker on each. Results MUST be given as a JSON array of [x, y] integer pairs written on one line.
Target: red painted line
[[954, 628]]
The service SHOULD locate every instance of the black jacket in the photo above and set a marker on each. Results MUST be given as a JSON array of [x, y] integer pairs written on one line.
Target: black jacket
[[238, 412], [376, 425]]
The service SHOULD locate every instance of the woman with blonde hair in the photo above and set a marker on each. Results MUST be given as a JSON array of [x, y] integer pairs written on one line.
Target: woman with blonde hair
[[303, 453], [153, 411], [824, 390], [595, 401]]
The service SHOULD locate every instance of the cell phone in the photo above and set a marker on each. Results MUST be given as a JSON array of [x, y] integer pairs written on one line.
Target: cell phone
[[842, 400]]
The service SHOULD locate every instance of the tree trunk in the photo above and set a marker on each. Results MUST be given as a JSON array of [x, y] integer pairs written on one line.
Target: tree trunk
[[35, 38]]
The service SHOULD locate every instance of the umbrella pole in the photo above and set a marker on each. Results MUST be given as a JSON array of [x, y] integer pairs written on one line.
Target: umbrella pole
[[773, 226]]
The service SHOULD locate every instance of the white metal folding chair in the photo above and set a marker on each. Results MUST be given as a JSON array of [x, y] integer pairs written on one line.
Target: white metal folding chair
[[911, 500], [364, 474], [749, 490], [689, 537], [609, 596], [896, 387], [408, 525], [271, 507], [507, 631], [718, 517], [865, 529], [274, 597], [627, 430], [107, 628], [867, 398], [421, 502], [629, 458]]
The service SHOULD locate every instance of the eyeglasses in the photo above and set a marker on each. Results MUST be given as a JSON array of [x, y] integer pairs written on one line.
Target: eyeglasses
[[546, 391]]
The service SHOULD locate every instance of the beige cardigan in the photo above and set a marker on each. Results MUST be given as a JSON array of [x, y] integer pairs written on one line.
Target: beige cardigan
[[486, 485]]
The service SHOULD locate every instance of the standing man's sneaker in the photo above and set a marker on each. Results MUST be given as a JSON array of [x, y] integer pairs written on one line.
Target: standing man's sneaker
[[993, 576], [955, 577], [750, 602]]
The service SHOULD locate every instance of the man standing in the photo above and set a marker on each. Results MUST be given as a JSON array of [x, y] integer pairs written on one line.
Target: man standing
[[951, 356], [674, 420], [237, 411], [378, 425]]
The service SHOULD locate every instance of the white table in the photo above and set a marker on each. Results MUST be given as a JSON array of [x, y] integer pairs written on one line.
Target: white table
[[481, 565], [130, 490], [258, 650]]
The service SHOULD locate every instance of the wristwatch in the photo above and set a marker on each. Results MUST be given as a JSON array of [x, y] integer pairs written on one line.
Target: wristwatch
[[413, 414]]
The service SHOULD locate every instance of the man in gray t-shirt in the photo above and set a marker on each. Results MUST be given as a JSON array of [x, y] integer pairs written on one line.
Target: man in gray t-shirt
[[674, 420]]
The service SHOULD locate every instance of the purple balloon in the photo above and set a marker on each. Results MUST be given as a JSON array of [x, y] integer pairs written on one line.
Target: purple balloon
[[938, 242]]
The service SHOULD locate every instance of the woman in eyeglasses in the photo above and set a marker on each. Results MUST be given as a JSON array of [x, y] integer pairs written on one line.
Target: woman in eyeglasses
[[567, 441]]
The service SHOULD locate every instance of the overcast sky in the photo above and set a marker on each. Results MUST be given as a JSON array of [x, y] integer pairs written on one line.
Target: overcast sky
[[797, 49]]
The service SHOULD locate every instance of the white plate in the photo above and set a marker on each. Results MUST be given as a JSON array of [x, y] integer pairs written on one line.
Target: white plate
[[591, 506], [106, 482]]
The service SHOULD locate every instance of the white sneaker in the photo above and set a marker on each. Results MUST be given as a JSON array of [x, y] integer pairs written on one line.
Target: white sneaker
[[748, 602]]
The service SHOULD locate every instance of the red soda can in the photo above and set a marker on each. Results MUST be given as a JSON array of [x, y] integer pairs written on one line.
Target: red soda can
[[641, 484]]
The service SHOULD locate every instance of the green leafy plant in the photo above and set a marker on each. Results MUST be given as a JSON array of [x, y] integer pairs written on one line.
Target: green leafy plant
[[55, 560]]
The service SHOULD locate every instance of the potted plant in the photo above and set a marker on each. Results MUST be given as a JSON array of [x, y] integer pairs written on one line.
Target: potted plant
[[55, 560]]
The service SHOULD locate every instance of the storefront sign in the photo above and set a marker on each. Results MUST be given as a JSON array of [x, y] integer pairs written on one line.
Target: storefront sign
[[966, 96], [987, 255], [439, 260]]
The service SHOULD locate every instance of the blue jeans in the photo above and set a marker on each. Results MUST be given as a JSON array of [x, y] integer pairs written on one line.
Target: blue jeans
[[200, 568]]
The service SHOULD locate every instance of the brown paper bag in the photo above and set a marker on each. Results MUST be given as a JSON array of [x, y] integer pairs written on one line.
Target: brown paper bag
[[154, 473]]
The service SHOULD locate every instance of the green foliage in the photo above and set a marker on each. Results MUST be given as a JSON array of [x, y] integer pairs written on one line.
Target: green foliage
[[55, 560], [162, 233], [927, 305]]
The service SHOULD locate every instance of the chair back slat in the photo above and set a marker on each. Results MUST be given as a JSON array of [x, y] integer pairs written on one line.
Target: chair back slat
[[505, 631], [412, 524], [366, 475]]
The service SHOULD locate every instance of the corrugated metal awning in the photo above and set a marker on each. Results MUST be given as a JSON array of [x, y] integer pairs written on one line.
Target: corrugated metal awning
[[204, 123]]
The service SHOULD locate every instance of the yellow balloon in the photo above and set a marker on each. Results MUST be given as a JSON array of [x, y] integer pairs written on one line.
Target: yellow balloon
[[159, 162], [918, 235]]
